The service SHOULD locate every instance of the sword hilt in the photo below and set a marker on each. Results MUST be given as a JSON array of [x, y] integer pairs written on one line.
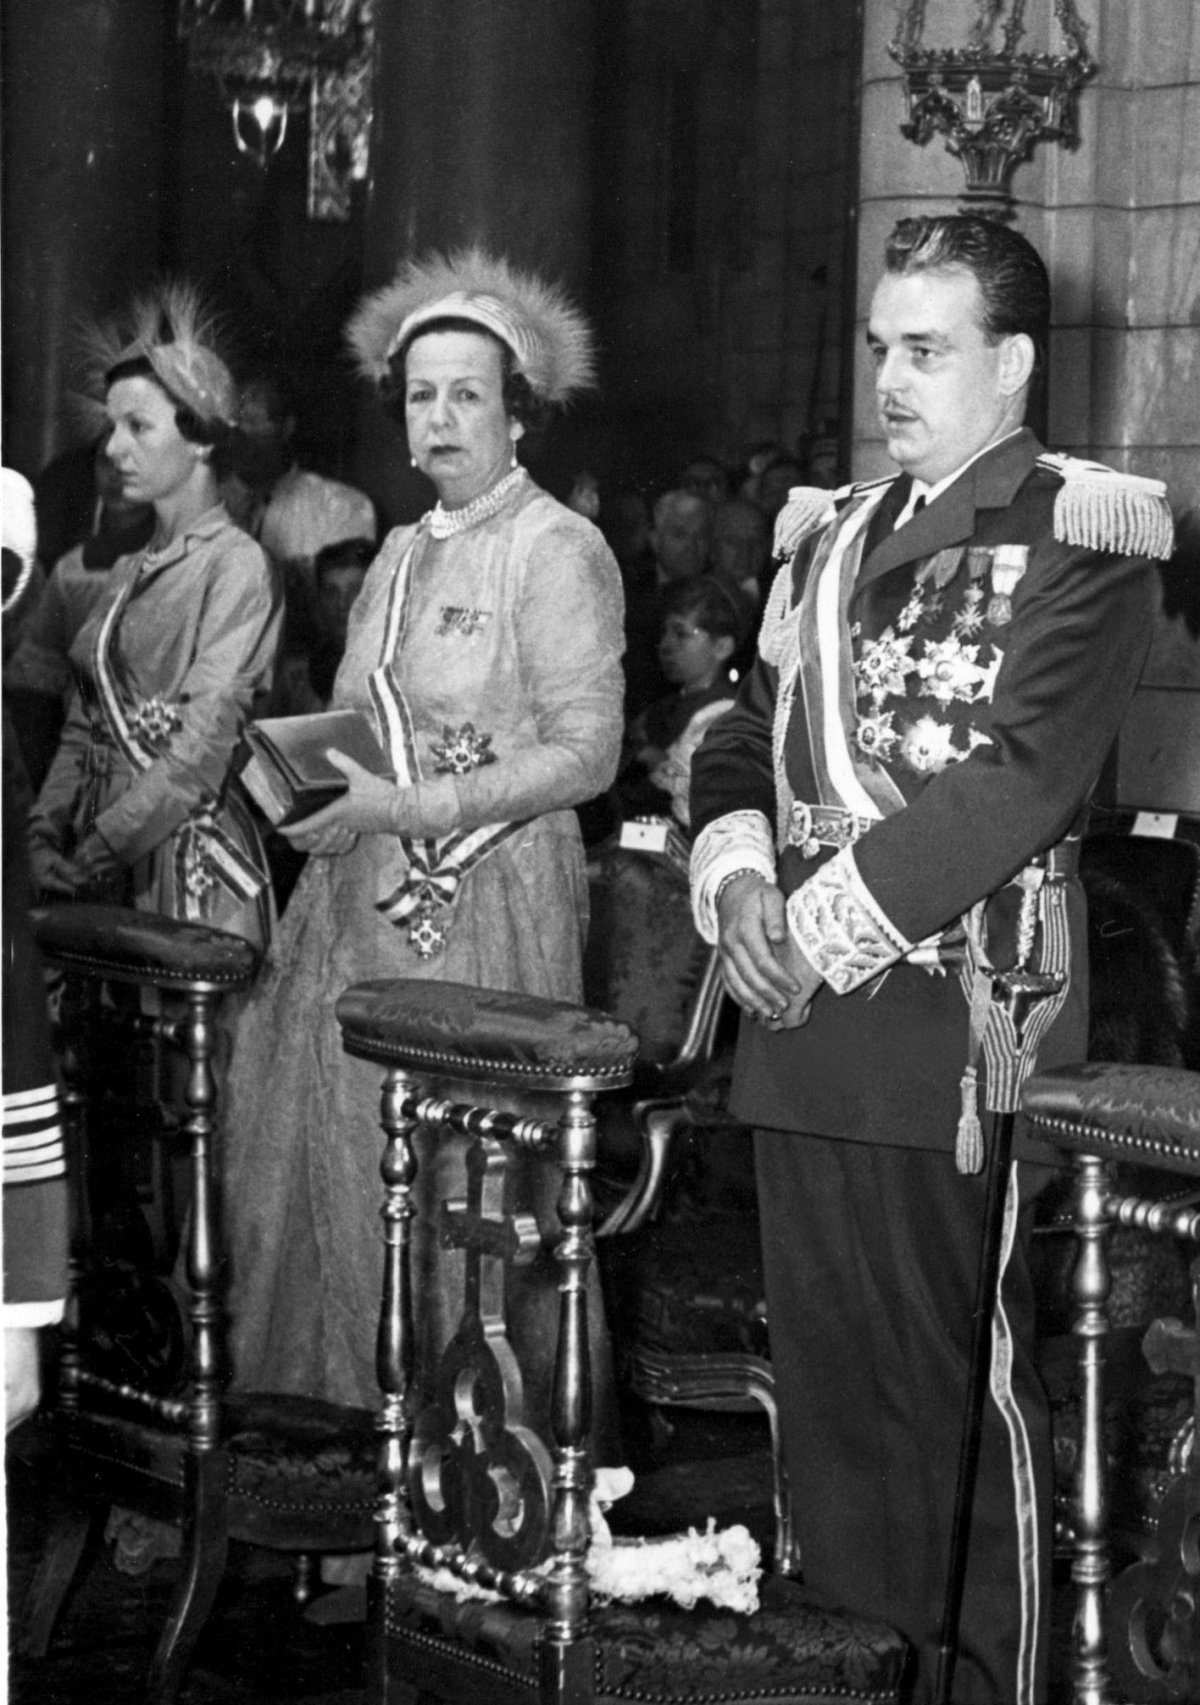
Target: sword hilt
[[1020, 990]]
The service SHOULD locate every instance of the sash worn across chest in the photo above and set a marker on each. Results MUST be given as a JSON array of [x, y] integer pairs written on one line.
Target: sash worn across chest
[[424, 898], [810, 644], [202, 851]]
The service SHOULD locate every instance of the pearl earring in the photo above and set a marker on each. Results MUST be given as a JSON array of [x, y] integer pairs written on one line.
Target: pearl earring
[[412, 461]]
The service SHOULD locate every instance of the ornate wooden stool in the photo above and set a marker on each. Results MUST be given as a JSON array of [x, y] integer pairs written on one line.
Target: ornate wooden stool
[[481, 1587], [282, 1472], [1151, 1115]]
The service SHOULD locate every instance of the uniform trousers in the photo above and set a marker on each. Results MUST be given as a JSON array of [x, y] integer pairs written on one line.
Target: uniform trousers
[[871, 1259]]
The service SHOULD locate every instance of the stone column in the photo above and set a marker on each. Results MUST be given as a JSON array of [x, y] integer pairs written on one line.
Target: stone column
[[82, 151], [481, 133]]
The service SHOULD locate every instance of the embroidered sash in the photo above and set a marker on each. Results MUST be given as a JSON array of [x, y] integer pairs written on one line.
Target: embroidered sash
[[436, 866], [820, 665], [203, 853]]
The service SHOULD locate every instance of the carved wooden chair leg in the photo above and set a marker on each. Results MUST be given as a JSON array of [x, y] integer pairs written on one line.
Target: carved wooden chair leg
[[205, 1526], [1091, 1565], [1146, 1630], [205, 1552], [73, 1518]]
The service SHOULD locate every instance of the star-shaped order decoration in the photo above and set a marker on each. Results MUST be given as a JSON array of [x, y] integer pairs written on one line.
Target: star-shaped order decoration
[[461, 750]]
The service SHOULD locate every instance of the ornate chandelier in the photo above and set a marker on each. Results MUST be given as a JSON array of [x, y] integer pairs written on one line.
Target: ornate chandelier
[[274, 57], [991, 102]]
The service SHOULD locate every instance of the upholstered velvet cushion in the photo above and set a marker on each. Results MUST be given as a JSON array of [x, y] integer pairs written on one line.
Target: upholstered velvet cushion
[[1150, 1114], [132, 946], [790, 1652], [301, 1450], [473, 1032]]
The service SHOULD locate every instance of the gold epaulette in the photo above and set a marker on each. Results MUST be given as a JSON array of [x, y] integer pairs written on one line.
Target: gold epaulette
[[811, 507], [1104, 510]]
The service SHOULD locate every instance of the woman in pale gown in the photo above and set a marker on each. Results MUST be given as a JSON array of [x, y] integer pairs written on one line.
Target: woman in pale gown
[[140, 805], [485, 646]]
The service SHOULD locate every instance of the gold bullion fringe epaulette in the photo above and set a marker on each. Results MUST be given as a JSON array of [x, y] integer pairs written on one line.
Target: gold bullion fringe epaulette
[[811, 507], [1104, 510]]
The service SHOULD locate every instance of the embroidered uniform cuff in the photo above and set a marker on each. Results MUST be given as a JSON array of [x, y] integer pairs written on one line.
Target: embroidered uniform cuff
[[741, 840], [839, 926]]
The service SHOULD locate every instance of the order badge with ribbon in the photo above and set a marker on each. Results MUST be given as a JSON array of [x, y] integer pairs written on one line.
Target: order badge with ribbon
[[1009, 563]]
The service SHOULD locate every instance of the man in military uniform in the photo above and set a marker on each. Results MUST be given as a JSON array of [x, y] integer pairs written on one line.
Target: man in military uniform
[[887, 817]]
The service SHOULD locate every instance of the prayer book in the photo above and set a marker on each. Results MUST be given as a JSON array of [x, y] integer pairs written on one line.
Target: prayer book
[[288, 774]]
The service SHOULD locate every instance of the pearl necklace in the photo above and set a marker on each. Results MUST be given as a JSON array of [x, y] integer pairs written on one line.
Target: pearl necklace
[[444, 523]]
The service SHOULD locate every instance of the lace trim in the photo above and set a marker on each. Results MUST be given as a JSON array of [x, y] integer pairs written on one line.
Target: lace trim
[[841, 928], [741, 840]]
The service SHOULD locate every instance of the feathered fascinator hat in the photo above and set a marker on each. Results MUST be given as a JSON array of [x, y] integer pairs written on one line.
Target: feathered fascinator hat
[[18, 533], [171, 328], [550, 339]]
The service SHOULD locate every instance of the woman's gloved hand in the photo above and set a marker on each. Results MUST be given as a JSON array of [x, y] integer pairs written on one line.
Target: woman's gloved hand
[[373, 805]]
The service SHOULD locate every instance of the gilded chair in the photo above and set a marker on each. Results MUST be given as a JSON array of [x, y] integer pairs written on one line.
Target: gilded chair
[[1136, 1637], [680, 1256], [482, 1579], [143, 1421]]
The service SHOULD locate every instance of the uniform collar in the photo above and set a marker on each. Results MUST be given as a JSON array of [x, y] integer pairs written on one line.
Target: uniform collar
[[991, 481]]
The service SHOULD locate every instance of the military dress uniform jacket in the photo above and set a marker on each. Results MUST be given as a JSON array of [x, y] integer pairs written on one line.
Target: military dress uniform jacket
[[952, 687]]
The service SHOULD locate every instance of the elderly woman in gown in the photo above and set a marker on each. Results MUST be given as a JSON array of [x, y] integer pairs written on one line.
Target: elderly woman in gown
[[485, 645]]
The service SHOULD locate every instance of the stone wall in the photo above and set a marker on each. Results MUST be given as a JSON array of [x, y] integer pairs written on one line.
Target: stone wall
[[1117, 221]]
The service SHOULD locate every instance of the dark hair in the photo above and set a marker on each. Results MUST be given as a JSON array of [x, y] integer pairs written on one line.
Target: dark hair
[[1012, 276], [277, 390], [344, 553], [709, 603], [517, 394], [215, 433]]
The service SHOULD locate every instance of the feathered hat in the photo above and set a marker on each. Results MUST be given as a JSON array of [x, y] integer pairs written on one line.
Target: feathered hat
[[550, 339], [18, 533], [173, 329]]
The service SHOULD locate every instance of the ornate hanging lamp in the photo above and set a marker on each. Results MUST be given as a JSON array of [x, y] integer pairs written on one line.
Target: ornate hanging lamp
[[274, 57], [991, 101]]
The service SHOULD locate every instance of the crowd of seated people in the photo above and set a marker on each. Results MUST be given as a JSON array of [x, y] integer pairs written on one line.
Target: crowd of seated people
[[712, 524]]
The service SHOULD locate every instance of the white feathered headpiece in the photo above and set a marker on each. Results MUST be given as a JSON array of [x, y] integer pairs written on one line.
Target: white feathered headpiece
[[18, 532], [173, 329], [549, 337]]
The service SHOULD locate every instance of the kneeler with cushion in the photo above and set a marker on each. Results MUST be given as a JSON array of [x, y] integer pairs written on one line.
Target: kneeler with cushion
[[473, 1497], [287, 1473]]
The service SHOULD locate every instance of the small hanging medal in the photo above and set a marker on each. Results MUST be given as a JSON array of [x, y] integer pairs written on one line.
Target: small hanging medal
[[1009, 563]]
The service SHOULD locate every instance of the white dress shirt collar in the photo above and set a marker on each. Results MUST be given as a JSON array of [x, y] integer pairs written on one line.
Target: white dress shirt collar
[[929, 492]]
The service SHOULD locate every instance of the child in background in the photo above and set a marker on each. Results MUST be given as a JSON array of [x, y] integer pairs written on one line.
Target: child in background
[[703, 624]]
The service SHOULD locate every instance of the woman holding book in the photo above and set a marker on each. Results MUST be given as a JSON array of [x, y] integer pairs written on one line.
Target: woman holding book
[[484, 649], [139, 806]]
